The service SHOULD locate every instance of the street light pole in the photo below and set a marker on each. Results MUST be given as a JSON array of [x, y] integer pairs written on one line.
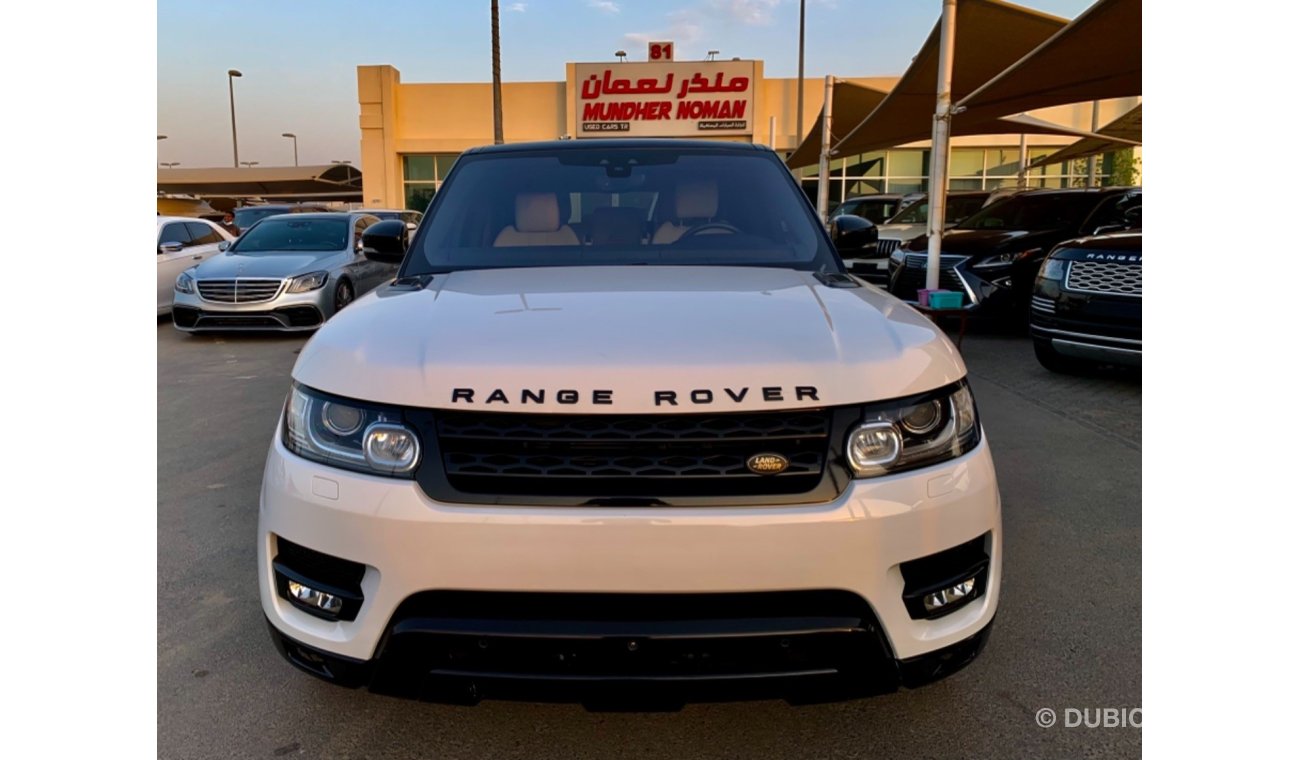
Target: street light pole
[[798, 109], [234, 136], [497, 132], [295, 145]]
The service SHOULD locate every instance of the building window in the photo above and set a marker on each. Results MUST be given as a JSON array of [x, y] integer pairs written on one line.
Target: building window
[[907, 171], [422, 175]]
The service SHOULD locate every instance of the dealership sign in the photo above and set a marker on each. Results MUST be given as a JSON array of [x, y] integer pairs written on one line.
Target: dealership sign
[[669, 99]]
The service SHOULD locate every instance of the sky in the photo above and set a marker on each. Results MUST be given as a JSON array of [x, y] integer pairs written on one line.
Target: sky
[[299, 58]]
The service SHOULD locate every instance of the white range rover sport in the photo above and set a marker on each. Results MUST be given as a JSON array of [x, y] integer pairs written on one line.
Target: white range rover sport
[[623, 424]]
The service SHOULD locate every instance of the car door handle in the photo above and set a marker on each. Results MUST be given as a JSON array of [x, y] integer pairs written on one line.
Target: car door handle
[[198, 258]]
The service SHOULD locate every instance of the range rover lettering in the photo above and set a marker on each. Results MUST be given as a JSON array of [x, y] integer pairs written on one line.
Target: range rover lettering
[[623, 421]]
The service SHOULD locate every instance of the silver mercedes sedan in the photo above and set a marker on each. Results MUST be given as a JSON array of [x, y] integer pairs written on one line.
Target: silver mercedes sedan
[[287, 272]]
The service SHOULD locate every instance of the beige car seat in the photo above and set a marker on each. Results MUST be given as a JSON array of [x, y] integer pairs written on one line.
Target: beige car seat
[[537, 222], [696, 203]]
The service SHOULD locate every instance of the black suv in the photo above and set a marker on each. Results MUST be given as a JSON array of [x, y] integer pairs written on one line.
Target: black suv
[[1087, 303], [992, 257]]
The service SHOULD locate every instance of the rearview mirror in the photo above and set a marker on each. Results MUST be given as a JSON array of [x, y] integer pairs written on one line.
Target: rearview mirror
[[855, 236], [410, 226], [385, 241], [170, 247]]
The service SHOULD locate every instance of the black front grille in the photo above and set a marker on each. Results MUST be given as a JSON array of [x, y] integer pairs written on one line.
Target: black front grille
[[236, 319], [617, 456], [756, 638], [184, 316], [911, 278], [301, 316]]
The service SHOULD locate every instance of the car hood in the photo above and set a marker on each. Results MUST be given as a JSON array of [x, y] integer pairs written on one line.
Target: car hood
[[989, 242], [902, 232], [284, 264], [703, 333]]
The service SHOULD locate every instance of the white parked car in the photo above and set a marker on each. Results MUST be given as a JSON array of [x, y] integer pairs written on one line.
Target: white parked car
[[183, 242], [683, 451]]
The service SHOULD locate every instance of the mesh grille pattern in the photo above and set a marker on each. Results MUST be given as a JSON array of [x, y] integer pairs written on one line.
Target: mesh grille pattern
[[1105, 277], [616, 455]]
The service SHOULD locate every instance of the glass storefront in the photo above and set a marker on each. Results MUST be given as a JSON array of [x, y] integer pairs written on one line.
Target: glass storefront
[[906, 170], [422, 175]]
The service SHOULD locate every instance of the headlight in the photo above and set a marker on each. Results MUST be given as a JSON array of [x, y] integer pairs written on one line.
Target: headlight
[[349, 434], [185, 283], [1005, 259], [1052, 269], [308, 282], [914, 432]]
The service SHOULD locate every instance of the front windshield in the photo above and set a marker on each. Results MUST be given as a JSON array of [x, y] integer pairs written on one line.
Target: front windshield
[[249, 215], [1033, 211], [602, 206], [917, 213], [294, 233], [959, 207]]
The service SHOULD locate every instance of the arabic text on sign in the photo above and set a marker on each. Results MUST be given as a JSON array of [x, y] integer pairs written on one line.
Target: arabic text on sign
[[596, 86]]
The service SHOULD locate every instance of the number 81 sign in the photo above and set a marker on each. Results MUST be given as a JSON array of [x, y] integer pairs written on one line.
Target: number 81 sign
[[661, 51]]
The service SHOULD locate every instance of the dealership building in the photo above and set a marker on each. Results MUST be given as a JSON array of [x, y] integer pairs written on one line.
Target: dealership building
[[411, 133]]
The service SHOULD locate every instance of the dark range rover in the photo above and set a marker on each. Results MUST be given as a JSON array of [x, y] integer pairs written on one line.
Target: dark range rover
[[992, 257], [1087, 304]]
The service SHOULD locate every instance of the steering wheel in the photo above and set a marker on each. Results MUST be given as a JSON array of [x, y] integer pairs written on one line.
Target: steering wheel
[[721, 226]]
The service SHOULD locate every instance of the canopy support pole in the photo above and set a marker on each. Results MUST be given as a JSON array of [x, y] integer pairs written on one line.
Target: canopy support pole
[[1092, 160], [939, 143], [1022, 170], [824, 162]]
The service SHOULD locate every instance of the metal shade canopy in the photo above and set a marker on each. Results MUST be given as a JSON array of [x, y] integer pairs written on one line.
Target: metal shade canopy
[[852, 104], [331, 182], [1121, 133], [1097, 56], [991, 36]]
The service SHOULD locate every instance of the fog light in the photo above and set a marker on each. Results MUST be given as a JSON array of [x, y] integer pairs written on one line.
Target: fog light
[[873, 447], [318, 599], [390, 447], [949, 596]]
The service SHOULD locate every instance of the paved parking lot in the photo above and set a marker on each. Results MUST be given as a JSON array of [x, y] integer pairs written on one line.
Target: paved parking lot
[[1068, 632]]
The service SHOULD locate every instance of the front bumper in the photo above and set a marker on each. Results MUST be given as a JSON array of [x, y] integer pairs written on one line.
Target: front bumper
[[839, 562], [1094, 328], [288, 312]]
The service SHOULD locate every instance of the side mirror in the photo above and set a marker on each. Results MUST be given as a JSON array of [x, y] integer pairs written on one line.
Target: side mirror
[[223, 245], [385, 241], [170, 247], [854, 236], [1133, 218]]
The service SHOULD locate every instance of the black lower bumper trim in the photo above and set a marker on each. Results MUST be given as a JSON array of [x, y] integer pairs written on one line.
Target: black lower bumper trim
[[634, 672]]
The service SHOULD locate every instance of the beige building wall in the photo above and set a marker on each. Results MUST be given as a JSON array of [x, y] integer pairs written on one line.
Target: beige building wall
[[397, 119]]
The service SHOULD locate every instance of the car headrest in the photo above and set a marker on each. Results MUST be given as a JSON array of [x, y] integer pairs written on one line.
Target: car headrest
[[697, 199], [537, 212], [610, 225]]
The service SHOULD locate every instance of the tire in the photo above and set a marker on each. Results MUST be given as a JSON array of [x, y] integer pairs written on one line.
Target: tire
[[344, 294], [1055, 362]]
